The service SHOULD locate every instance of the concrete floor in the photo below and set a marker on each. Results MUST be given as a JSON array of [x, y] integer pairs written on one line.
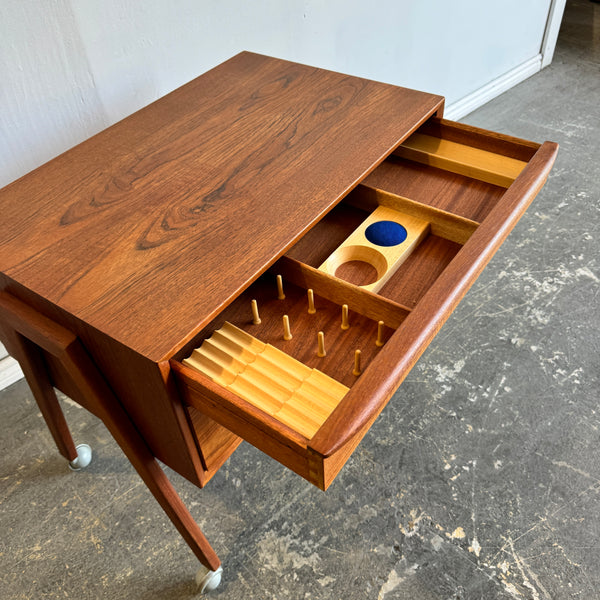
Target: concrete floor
[[481, 479]]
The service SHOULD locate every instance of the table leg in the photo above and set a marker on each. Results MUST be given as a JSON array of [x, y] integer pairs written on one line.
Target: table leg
[[28, 332], [34, 369], [92, 385]]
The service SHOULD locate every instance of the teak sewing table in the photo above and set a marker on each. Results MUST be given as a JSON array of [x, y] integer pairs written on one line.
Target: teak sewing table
[[122, 255]]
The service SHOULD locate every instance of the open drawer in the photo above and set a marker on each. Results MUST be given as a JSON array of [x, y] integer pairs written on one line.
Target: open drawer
[[458, 191]]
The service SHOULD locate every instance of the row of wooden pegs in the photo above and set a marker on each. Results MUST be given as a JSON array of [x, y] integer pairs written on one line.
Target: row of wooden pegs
[[287, 332]]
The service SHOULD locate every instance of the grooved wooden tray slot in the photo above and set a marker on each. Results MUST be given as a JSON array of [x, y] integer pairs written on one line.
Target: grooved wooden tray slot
[[268, 378], [230, 385], [459, 169], [461, 158]]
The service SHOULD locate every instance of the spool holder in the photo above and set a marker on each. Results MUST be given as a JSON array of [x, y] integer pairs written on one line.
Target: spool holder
[[378, 246]]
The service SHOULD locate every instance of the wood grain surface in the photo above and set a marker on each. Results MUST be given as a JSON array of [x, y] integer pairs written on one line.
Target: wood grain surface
[[151, 227]]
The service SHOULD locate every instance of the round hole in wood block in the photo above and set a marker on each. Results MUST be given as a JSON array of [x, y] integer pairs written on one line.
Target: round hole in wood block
[[357, 272], [385, 233], [359, 265]]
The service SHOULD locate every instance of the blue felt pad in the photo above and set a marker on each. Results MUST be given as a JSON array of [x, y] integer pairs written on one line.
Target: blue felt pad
[[385, 233]]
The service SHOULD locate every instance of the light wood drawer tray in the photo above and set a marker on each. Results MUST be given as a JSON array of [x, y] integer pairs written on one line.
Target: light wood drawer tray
[[465, 189]]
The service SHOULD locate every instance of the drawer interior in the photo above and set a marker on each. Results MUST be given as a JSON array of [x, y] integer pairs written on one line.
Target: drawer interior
[[444, 176], [456, 168]]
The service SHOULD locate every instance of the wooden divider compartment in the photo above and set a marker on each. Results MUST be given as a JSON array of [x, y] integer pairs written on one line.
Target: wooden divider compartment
[[427, 168], [446, 236], [251, 420], [471, 186]]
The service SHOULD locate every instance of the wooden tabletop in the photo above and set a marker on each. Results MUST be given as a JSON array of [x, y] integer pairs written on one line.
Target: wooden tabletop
[[150, 228]]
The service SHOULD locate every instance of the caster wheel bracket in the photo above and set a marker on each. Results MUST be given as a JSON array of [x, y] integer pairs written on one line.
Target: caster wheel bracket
[[84, 457]]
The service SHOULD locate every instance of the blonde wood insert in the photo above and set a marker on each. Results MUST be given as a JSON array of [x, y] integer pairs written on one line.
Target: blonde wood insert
[[300, 397], [464, 160], [378, 256]]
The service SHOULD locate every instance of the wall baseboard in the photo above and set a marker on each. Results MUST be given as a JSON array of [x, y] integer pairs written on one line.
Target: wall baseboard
[[9, 372], [497, 86]]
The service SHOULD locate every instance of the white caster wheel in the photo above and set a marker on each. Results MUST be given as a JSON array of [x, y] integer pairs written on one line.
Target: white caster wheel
[[84, 457], [208, 580]]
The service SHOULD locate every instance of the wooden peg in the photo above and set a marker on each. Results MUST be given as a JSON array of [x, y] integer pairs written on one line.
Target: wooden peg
[[345, 322], [321, 339], [311, 303], [287, 332], [280, 293], [379, 342], [356, 372], [255, 317]]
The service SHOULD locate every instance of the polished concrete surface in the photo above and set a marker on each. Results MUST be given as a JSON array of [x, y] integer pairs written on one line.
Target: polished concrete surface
[[480, 480]]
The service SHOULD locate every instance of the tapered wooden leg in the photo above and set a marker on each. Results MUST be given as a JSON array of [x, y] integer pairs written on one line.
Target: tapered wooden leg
[[91, 383], [159, 485], [34, 369], [26, 330], [164, 492]]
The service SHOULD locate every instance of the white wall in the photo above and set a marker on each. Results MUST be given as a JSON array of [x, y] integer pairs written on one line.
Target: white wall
[[69, 68]]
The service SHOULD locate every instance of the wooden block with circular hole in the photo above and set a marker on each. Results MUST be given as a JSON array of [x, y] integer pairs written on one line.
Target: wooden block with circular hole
[[376, 248]]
